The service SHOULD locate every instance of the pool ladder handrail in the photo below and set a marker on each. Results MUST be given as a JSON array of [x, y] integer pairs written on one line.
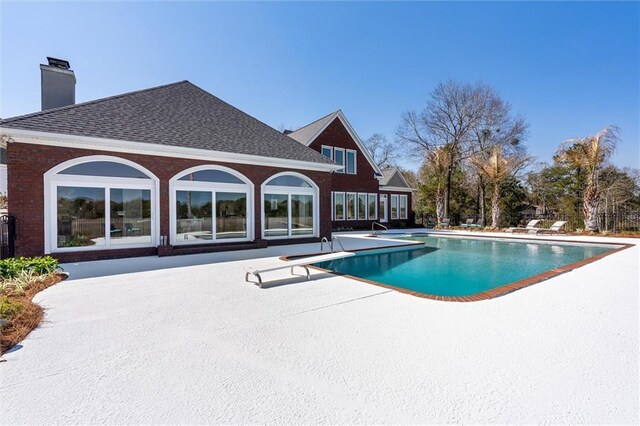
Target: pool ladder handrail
[[373, 232], [325, 239]]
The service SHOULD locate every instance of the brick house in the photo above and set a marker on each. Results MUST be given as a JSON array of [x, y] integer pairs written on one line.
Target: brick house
[[166, 170], [361, 193]]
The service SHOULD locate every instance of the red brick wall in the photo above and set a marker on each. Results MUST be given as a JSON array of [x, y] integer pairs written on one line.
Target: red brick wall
[[336, 135], [364, 181], [409, 221], [27, 164]]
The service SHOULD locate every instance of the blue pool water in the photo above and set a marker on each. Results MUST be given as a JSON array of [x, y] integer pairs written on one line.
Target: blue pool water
[[447, 266]]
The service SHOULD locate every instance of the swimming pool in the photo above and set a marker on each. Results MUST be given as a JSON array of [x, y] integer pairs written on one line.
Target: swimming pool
[[457, 267]]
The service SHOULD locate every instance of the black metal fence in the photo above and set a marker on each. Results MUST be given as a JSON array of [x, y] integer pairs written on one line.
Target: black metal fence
[[627, 221], [611, 222], [7, 236]]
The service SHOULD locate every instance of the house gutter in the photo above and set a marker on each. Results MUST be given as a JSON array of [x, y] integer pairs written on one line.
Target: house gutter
[[12, 135]]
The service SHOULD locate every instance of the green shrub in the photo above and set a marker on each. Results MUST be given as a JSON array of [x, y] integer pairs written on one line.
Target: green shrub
[[13, 267], [9, 309]]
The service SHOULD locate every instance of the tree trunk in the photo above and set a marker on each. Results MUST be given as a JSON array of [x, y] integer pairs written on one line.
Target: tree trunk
[[478, 199], [440, 198], [447, 192], [590, 207], [482, 197], [495, 207]]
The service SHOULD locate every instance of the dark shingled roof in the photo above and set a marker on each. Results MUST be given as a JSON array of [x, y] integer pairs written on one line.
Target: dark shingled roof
[[179, 114]]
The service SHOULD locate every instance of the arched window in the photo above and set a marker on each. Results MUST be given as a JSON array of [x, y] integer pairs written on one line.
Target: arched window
[[211, 204], [100, 202], [289, 206]]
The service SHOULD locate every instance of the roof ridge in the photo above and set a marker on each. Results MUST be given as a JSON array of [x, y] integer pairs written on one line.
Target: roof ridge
[[92, 102], [315, 121]]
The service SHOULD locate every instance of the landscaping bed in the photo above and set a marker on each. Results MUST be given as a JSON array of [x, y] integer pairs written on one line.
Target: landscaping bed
[[20, 280]]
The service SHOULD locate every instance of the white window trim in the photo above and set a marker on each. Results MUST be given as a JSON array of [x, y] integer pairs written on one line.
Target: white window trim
[[355, 205], [343, 170], [396, 205], [289, 191], [384, 216], [52, 180], [366, 206], [330, 149], [355, 162], [344, 206], [406, 207], [332, 205], [175, 184], [374, 197]]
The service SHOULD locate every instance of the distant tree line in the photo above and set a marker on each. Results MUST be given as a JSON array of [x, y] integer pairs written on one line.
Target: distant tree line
[[473, 163]]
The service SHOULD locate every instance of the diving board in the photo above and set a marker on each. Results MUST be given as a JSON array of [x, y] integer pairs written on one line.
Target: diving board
[[303, 262]]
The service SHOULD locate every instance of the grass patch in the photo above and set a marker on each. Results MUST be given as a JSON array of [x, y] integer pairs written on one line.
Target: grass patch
[[20, 280]]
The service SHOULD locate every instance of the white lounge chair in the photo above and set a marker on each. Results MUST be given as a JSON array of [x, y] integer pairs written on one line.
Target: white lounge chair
[[468, 223], [302, 262], [552, 230], [445, 223], [530, 226]]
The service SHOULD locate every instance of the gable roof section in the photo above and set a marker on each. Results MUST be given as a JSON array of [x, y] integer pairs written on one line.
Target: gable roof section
[[393, 178], [307, 134], [179, 115]]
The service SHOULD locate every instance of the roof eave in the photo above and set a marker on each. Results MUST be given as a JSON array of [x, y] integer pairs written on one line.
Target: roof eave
[[13, 135], [340, 115]]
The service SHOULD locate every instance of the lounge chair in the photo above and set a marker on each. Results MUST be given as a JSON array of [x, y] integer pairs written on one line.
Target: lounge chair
[[444, 223], [302, 262], [554, 229], [478, 225], [530, 226], [467, 224]]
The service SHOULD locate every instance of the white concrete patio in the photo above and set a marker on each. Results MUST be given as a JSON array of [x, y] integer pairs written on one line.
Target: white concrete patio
[[127, 342]]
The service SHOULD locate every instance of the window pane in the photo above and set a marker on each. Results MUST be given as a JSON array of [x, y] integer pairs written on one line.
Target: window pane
[[288, 180], [276, 211], [327, 152], [351, 162], [362, 206], [382, 208], [351, 206], [394, 207], [373, 202], [403, 207], [339, 206], [80, 216], [104, 168], [130, 216], [231, 215], [339, 158], [301, 214], [211, 176], [193, 215]]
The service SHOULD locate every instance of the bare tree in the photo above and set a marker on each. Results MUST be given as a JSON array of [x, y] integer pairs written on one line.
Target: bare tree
[[495, 127], [438, 160], [385, 154], [496, 169], [446, 122]]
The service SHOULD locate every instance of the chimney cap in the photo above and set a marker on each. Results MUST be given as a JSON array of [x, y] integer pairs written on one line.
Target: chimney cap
[[58, 63]]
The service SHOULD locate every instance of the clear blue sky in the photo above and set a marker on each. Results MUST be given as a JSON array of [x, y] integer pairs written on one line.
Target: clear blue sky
[[571, 68]]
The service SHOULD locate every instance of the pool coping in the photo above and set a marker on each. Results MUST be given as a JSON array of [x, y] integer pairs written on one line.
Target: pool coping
[[487, 294]]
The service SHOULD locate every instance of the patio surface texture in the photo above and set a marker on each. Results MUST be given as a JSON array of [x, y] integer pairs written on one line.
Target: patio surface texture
[[194, 343]]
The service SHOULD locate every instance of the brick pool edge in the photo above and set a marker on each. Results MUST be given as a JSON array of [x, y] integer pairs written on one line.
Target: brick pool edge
[[494, 292]]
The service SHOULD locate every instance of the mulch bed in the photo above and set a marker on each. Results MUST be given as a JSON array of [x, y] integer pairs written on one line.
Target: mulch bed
[[30, 315]]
